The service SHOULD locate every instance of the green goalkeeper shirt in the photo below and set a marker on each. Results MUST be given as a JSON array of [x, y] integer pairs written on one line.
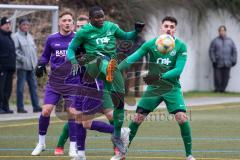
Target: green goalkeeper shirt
[[98, 41], [169, 65]]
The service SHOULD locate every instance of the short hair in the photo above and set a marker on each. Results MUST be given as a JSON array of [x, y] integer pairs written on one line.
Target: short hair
[[82, 18], [170, 18], [222, 26], [94, 9], [65, 12]]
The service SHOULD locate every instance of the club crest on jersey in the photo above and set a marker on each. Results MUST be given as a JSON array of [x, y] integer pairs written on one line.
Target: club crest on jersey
[[173, 53], [164, 61]]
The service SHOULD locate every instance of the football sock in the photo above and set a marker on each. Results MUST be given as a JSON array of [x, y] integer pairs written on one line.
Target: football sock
[[186, 136], [43, 125], [63, 137], [72, 132], [102, 127], [118, 115], [134, 128], [80, 137]]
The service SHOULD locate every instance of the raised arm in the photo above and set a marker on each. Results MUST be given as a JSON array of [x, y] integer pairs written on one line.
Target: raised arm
[[129, 35], [180, 63], [74, 44], [142, 51]]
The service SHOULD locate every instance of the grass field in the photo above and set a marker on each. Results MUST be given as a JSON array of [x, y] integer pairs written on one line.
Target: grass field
[[216, 136]]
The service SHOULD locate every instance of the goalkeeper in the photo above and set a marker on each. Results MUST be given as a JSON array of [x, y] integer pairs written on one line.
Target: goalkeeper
[[98, 38], [163, 83]]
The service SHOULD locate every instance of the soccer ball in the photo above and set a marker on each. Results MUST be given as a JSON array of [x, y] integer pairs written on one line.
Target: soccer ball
[[165, 43]]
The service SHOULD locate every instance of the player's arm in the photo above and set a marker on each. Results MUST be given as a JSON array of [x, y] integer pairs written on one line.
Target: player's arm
[[129, 35], [179, 66], [74, 44], [44, 59], [138, 54]]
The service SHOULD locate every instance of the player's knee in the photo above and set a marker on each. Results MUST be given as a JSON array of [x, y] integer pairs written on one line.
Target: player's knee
[[109, 115], [181, 117], [139, 118], [87, 124], [47, 110]]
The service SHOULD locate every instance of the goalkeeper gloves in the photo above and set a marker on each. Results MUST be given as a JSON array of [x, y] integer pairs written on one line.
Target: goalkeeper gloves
[[151, 79], [139, 26], [40, 70]]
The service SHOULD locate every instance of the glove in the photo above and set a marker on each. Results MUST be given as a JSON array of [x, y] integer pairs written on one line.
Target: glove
[[234, 63], [40, 69], [139, 26], [74, 69], [214, 64], [150, 79]]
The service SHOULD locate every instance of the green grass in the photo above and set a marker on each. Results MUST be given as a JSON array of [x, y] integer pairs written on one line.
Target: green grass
[[216, 135], [194, 94]]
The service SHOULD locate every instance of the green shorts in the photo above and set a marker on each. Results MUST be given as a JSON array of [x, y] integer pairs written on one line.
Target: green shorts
[[173, 99], [107, 100]]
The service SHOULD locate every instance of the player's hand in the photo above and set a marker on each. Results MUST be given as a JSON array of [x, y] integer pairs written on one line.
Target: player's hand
[[139, 26], [74, 69], [150, 79], [40, 70]]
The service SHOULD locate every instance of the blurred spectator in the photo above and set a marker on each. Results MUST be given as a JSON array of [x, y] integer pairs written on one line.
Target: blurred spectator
[[26, 52], [124, 49], [81, 20], [223, 55], [7, 64]]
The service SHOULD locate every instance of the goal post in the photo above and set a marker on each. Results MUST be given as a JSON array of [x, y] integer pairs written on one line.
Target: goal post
[[21, 10]]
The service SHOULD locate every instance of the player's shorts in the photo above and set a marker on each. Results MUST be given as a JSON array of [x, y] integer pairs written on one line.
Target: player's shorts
[[52, 96], [173, 99], [93, 105]]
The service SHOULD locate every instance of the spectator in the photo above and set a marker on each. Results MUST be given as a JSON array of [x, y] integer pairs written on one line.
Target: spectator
[[223, 55], [7, 64], [26, 52]]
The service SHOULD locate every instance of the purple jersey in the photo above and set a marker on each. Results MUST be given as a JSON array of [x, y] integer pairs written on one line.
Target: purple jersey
[[55, 49]]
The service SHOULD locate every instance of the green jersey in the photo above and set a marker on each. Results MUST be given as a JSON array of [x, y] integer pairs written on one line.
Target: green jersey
[[169, 65], [98, 41]]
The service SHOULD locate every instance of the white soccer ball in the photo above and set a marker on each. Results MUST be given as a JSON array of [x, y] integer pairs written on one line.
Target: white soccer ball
[[165, 43]]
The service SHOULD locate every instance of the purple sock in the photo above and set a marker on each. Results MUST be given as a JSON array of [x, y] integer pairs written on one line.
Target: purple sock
[[43, 125], [72, 130], [80, 136], [102, 127]]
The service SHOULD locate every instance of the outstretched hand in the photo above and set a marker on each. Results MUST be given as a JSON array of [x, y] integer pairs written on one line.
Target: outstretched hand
[[139, 26], [150, 79]]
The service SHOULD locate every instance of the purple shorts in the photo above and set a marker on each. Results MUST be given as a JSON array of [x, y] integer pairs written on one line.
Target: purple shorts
[[53, 97]]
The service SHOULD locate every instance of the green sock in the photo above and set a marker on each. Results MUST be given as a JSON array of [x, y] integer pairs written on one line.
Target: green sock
[[134, 128], [111, 122], [118, 118], [64, 136], [186, 136]]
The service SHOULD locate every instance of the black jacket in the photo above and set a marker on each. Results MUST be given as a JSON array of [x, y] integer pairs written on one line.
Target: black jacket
[[7, 51]]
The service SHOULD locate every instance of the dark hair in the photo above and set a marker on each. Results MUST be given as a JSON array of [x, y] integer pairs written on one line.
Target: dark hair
[[23, 20], [83, 18], [65, 12], [170, 18], [94, 9], [222, 26]]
